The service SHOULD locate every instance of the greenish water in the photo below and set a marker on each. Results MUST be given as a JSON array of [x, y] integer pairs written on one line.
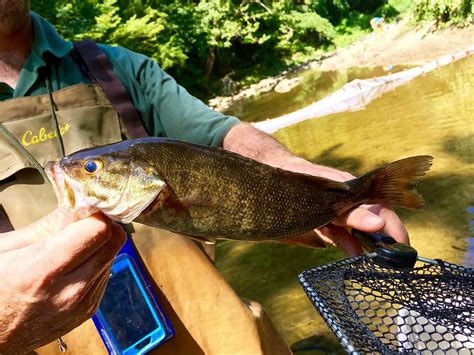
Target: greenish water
[[314, 86], [433, 114]]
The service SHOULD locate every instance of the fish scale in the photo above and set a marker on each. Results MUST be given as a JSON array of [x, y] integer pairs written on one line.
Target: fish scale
[[212, 193]]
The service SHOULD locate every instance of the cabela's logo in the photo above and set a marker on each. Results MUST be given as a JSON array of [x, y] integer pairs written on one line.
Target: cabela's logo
[[30, 138]]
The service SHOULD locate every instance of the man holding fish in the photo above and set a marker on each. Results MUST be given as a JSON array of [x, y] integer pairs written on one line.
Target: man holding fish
[[54, 267]]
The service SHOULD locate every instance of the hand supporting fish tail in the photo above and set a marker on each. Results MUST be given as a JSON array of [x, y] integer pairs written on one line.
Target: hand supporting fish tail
[[367, 218]]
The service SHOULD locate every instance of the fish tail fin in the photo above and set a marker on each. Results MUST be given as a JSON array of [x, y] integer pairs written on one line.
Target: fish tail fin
[[395, 183]]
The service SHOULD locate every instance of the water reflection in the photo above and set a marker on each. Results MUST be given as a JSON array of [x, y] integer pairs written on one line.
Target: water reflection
[[314, 86], [433, 114]]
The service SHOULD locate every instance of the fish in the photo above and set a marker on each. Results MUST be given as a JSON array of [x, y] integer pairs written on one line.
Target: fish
[[210, 193]]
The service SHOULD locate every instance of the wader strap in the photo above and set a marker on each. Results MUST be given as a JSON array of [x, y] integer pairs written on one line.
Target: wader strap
[[5, 224], [101, 72]]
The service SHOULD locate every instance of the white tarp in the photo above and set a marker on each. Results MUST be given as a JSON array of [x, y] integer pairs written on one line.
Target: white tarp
[[357, 94]]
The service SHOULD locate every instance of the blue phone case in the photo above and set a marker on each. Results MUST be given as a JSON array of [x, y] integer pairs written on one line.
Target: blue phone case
[[129, 318]]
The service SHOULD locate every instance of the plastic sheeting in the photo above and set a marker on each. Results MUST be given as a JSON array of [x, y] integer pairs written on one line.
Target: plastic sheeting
[[357, 94]]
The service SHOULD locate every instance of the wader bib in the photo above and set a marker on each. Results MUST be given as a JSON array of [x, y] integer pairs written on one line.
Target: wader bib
[[206, 314]]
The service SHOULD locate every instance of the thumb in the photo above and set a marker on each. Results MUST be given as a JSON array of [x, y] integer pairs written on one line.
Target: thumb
[[49, 224], [362, 219], [46, 226]]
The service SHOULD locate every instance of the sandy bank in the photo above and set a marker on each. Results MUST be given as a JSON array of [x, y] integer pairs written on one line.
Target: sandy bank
[[396, 45]]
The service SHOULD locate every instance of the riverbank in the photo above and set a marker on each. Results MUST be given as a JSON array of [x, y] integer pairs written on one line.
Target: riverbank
[[397, 44], [431, 114]]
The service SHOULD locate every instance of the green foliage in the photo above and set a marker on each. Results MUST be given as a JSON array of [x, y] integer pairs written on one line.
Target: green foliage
[[111, 23], [204, 43], [458, 12], [366, 6], [136, 33], [300, 30], [69, 17], [401, 5], [333, 10], [223, 22]]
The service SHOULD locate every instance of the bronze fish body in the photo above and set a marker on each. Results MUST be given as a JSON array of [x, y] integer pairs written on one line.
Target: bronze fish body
[[212, 193]]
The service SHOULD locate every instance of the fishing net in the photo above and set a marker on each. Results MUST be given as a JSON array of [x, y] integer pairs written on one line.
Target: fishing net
[[375, 309]]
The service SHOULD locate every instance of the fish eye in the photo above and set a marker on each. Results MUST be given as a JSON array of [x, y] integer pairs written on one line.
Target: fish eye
[[92, 166]]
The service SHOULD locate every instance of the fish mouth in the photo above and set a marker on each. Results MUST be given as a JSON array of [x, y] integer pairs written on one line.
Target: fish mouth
[[66, 192], [63, 190]]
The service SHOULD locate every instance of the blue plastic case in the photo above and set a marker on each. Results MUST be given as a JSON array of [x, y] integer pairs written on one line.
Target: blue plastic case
[[129, 318]]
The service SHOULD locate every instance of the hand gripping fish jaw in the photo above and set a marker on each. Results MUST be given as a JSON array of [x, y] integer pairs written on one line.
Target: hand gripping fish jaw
[[88, 183]]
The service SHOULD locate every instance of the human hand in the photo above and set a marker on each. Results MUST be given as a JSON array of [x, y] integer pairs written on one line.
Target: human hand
[[250, 142], [54, 274], [367, 218]]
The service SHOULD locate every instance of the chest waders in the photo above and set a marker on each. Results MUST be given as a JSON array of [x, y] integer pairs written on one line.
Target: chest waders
[[38, 129], [207, 315], [51, 125]]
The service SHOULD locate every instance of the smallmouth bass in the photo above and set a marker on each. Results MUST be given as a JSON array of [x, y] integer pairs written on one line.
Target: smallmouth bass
[[211, 193]]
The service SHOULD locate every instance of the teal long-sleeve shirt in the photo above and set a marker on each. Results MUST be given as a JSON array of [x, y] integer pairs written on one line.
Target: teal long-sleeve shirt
[[167, 109]]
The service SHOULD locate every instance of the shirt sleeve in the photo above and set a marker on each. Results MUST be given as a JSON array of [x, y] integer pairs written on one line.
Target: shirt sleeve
[[167, 108]]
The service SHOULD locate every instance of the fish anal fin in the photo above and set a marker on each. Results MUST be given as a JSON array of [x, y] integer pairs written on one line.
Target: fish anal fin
[[308, 240]]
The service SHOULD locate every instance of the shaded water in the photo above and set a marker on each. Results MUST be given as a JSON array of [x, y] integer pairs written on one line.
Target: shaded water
[[433, 114], [314, 86]]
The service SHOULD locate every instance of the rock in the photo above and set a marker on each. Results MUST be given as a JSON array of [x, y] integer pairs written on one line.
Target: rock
[[266, 85], [286, 85]]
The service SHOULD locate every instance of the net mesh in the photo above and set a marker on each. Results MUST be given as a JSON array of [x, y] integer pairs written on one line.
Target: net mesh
[[373, 309]]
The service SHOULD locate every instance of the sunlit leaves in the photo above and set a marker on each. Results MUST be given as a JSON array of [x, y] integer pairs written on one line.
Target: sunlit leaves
[[202, 41], [459, 12]]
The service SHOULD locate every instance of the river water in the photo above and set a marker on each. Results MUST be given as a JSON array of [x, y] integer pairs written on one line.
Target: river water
[[314, 85], [433, 114]]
